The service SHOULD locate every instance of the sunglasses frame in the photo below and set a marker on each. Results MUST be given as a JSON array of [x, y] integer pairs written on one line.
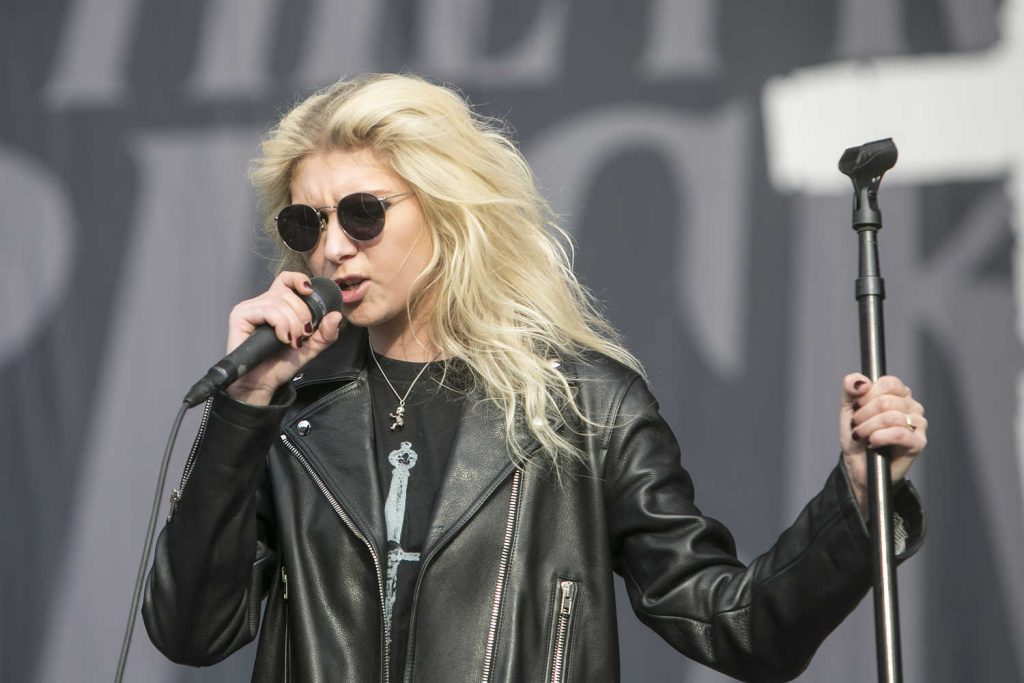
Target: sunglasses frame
[[385, 204]]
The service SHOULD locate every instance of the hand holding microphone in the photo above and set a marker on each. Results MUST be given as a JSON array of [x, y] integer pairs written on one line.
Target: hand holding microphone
[[273, 335]]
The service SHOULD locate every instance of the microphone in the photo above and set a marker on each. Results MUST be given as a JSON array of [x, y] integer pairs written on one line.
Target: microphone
[[262, 344]]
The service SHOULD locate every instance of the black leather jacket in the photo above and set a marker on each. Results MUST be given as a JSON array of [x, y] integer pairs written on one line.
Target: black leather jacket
[[516, 576]]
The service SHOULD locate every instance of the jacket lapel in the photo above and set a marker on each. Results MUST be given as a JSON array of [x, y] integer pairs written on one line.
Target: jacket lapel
[[478, 463], [339, 437]]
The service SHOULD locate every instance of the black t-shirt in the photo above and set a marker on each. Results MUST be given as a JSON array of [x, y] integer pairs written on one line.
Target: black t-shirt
[[411, 460]]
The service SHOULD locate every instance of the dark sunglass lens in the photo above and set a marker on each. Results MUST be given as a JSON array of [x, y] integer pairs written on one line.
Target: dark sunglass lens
[[299, 226], [362, 215]]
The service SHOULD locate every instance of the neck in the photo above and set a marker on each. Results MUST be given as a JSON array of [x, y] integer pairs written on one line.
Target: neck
[[414, 348]]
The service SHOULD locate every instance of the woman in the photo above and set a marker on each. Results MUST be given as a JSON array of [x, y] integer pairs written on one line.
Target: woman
[[440, 487]]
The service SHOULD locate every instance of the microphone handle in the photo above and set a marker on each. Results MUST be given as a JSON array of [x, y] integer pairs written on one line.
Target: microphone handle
[[263, 343], [259, 346]]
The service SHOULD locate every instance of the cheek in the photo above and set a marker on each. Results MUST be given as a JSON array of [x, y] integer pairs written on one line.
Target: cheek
[[411, 259], [415, 265], [314, 261], [420, 254]]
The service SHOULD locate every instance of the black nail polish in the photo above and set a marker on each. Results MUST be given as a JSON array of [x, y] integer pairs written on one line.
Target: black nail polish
[[858, 384], [855, 405], [856, 436], [309, 328]]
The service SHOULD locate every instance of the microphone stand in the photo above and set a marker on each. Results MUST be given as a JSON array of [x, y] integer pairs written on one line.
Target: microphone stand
[[865, 165]]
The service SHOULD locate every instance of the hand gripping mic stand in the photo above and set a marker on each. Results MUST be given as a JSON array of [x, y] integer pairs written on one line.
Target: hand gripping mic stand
[[865, 166]]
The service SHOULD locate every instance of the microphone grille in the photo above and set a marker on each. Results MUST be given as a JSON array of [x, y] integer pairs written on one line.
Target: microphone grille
[[329, 294]]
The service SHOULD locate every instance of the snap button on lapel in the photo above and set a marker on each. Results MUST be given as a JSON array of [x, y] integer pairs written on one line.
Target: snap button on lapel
[[303, 427]]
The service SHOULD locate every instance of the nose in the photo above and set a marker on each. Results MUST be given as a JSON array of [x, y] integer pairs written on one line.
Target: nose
[[337, 244]]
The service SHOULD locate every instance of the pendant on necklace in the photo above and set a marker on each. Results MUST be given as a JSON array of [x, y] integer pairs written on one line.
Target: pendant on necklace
[[398, 416]]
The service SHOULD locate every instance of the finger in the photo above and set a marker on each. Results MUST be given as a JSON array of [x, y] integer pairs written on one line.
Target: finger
[[899, 437], [855, 385], [887, 384], [250, 314], [330, 328], [866, 407], [297, 282], [869, 431], [891, 418], [283, 318], [325, 335], [862, 424], [917, 408], [920, 423], [292, 286], [302, 313]]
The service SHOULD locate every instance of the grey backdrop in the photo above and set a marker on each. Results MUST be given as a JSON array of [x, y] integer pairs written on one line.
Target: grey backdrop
[[681, 139]]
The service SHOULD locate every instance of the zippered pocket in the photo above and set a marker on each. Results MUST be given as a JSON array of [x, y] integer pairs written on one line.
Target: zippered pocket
[[287, 634], [566, 598], [190, 462]]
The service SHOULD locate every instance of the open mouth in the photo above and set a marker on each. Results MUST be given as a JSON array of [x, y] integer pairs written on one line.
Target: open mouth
[[347, 285], [353, 289]]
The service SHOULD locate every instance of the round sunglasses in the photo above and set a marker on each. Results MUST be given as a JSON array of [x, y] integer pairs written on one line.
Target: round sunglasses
[[361, 215]]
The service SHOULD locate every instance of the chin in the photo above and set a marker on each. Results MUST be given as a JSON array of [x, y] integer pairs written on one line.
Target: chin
[[363, 318], [357, 320]]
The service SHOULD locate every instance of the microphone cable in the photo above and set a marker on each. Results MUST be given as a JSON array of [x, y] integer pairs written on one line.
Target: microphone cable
[[147, 546]]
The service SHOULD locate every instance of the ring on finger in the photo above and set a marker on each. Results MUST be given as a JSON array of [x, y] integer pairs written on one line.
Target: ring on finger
[[909, 424]]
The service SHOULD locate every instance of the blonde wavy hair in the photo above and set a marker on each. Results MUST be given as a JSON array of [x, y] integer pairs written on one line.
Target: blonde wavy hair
[[503, 296]]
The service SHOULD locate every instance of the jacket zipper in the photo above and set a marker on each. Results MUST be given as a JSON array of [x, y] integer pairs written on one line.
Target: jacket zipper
[[352, 527], [287, 635], [499, 587], [190, 463], [566, 598]]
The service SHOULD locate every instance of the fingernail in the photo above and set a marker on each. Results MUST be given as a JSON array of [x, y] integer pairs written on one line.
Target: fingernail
[[289, 337], [859, 383], [300, 342], [307, 284], [852, 425], [856, 436], [855, 405], [309, 328]]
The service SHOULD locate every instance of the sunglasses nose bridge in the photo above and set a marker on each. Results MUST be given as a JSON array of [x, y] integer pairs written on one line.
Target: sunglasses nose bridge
[[328, 215]]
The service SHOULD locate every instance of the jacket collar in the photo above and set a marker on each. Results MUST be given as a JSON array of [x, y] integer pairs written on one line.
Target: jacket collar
[[343, 452]]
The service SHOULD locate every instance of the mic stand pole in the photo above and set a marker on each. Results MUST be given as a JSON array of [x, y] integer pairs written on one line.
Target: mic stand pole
[[865, 166]]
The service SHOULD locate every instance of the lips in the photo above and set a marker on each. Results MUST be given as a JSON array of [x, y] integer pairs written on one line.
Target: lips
[[349, 282], [353, 288]]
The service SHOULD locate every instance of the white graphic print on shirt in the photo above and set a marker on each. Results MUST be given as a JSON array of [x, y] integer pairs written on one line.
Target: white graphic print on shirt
[[403, 460]]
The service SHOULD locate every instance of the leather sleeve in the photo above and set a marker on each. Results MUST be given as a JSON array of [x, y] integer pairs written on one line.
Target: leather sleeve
[[758, 622], [215, 557]]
